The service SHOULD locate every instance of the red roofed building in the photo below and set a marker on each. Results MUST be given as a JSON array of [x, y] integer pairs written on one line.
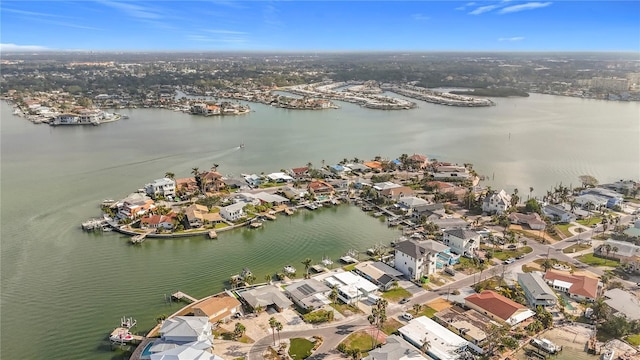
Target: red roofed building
[[319, 187], [299, 173], [374, 165], [498, 307], [157, 221], [577, 286], [419, 160]]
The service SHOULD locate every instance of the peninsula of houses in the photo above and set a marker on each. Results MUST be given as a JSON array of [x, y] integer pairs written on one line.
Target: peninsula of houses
[[478, 273]]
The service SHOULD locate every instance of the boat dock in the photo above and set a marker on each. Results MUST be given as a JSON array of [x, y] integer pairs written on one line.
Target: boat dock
[[256, 224], [288, 211], [269, 216], [93, 224], [138, 239], [213, 234], [179, 295], [123, 330]]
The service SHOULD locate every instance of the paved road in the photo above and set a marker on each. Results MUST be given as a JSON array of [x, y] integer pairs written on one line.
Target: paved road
[[334, 333]]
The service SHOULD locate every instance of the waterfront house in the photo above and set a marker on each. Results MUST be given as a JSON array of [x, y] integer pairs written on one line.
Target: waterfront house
[[66, 119], [135, 205], [339, 170], [418, 161], [212, 181], [498, 307], [299, 173], [232, 183], [253, 180], [157, 221], [90, 116], [496, 203], [293, 193], [199, 215], [265, 297], [410, 203], [200, 350], [397, 193], [386, 185], [414, 260], [320, 187], [395, 348], [462, 241], [351, 287], [373, 165], [429, 211], [612, 198], [450, 223], [559, 214], [622, 186], [358, 168], [279, 177], [536, 291], [451, 172], [447, 187], [378, 273], [579, 287], [185, 329], [444, 344], [309, 294], [591, 201], [623, 303], [533, 221], [233, 212], [271, 199], [217, 308], [164, 187], [186, 186]]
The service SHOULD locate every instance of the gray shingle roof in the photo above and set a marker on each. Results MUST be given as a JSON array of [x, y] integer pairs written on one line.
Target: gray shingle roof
[[536, 286], [462, 233]]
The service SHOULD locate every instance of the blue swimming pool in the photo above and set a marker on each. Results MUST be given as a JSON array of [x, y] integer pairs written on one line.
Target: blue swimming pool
[[146, 353]]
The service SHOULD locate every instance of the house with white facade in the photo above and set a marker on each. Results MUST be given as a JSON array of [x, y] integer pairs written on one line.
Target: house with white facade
[[498, 307], [414, 260], [185, 329], [558, 214], [462, 241], [165, 187], [396, 348], [351, 287], [579, 287], [411, 203], [200, 350], [497, 202], [233, 212], [444, 344]]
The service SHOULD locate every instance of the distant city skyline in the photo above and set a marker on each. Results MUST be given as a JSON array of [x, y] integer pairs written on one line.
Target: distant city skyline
[[225, 25]]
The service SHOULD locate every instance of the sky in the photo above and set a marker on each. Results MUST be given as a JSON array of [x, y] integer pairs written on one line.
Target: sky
[[332, 25]]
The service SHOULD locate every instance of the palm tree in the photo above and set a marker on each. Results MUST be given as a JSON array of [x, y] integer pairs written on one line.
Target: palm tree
[[530, 191], [333, 295], [234, 281], [307, 265], [614, 250], [267, 278], [169, 175], [272, 325], [417, 308], [249, 279], [378, 316], [215, 167], [309, 165], [279, 328], [239, 330], [425, 346], [195, 171]]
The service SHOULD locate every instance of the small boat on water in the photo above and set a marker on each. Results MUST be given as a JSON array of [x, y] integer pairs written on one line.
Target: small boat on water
[[289, 269], [608, 355], [311, 206], [546, 345], [122, 336], [326, 261], [241, 146]]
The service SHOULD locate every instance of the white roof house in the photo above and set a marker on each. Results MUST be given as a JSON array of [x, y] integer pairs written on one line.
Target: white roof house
[[444, 344], [624, 303], [279, 177], [385, 185], [351, 287], [197, 350], [395, 349], [233, 212], [184, 329]]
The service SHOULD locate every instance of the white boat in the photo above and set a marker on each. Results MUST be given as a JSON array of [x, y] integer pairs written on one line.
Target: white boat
[[289, 269], [546, 345], [608, 354], [121, 337], [326, 261]]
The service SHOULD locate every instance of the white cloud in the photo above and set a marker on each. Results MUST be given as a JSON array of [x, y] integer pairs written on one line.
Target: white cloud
[[523, 7], [483, 9], [420, 17], [515, 38], [133, 10], [15, 47]]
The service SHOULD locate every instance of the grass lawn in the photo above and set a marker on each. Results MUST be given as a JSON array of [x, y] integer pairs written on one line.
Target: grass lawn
[[589, 222], [360, 341], [300, 348], [349, 267], [505, 254], [391, 325], [221, 225], [228, 335], [540, 261], [396, 294], [528, 269], [425, 310], [564, 229], [592, 260], [634, 339], [575, 248]]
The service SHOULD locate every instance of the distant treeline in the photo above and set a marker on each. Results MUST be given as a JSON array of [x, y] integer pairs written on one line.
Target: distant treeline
[[494, 92]]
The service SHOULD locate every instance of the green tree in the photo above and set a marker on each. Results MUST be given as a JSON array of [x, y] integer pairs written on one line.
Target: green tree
[[333, 295], [307, 265], [378, 317], [279, 328], [239, 330], [170, 175], [273, 324]]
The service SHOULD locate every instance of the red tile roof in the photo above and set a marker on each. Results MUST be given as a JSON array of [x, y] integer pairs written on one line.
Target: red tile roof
[[495, 303], [582, 285], [300, 170]]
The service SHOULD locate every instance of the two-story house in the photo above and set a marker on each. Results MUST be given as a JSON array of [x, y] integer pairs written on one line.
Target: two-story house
[[496, 203], [164, 187], [461, 241], [233, 212]]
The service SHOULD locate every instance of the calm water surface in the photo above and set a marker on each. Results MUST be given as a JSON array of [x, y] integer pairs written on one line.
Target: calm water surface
[[63, 290]]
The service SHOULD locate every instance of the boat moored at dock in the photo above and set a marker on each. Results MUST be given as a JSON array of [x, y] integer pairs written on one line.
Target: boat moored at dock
[[546, 345]]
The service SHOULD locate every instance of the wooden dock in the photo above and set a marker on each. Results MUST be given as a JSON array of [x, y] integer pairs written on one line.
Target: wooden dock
[[213, 234], [179, 295], [288, 211], [120, 331], [138, 239]]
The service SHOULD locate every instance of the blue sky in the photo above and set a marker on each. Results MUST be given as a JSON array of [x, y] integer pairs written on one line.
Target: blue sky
[[337, 25]]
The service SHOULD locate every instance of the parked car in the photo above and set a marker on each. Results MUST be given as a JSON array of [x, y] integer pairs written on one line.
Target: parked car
[[509, 261], [521, 256], [405, 300], [512, 246], [407, 316], [450, 271]]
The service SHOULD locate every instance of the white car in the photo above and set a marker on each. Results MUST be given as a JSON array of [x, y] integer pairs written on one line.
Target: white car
[[407, 316]]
